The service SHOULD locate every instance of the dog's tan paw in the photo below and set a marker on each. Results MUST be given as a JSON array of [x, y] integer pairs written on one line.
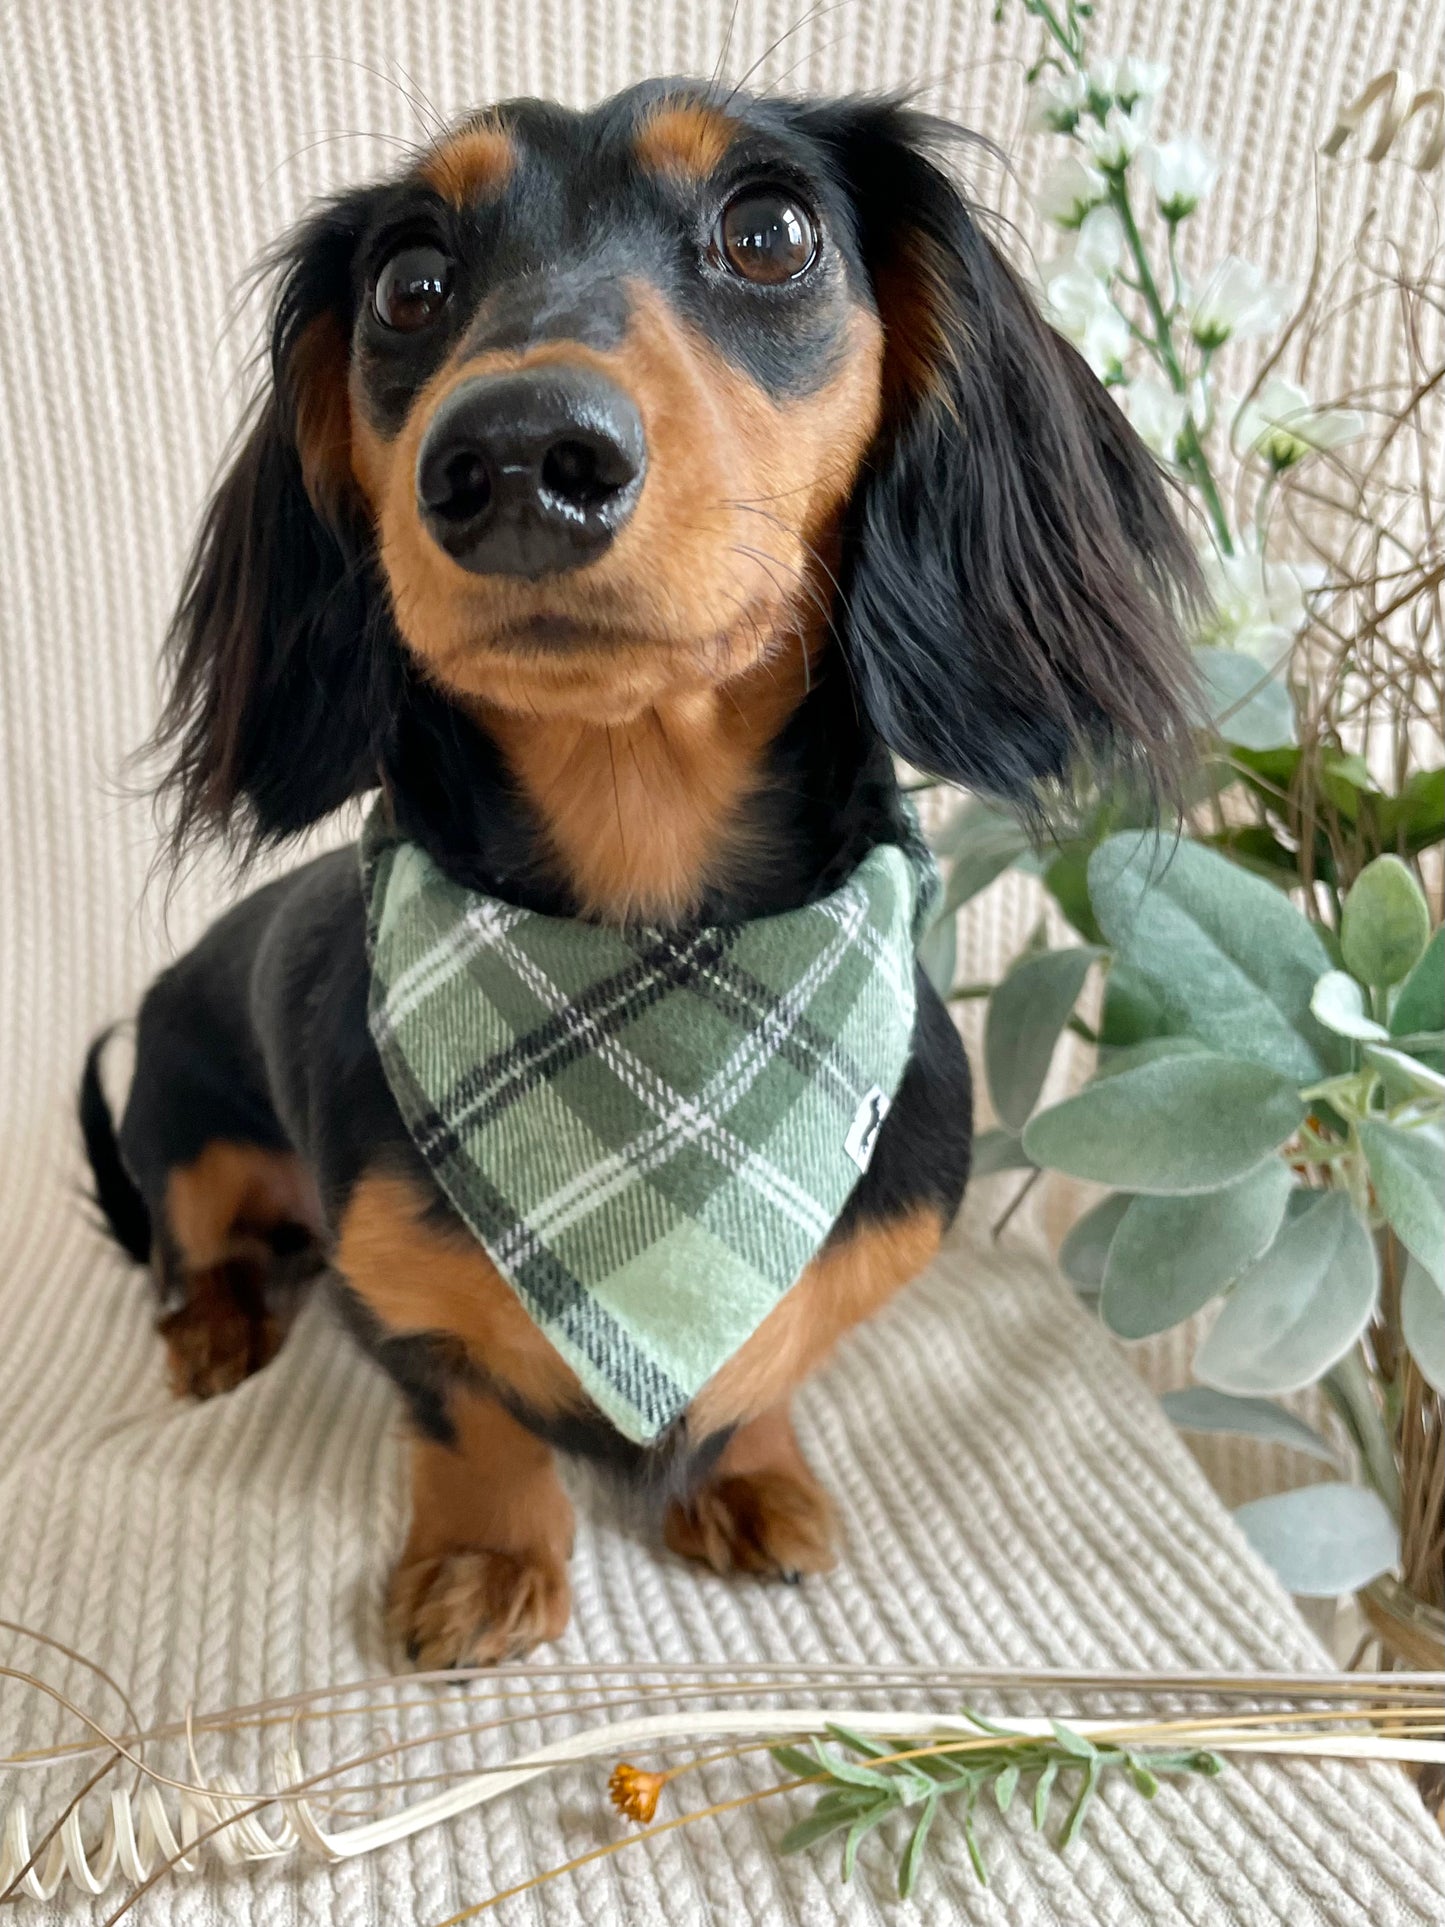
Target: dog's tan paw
[[212, 1344], [766, 1522], [473, 1607]]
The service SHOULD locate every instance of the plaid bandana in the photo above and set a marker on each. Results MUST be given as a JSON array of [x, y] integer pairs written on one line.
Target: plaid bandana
[[651, 1132]]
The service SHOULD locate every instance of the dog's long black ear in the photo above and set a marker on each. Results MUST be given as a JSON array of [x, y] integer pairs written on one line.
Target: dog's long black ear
[[1017, 575], [275, 642]]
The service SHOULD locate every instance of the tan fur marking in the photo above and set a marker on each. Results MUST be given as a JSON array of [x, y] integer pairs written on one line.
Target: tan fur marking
[[686, 139], [483, 1576], [418, 1279], [318, 375], [641, 815], [917, 309], [844, 1285], [476, 161], [223, 1205]]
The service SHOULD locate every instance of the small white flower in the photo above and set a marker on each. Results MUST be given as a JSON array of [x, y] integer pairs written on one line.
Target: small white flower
[[1283, 425], [1237, 301], [1080, 307], [1056, 100], [1099, 243], [1125, 81], [1258, 607], [1182, 171], [1158, 414], [1117, 138], [1069, 190]]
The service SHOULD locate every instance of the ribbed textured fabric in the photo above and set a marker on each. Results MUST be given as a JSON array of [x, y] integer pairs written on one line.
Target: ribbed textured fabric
[[1009, 1489]]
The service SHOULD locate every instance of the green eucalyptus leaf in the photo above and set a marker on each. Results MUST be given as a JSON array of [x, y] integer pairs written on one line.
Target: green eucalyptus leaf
[[1405, 1077], [1298, 1308], [1345, 778], [1420, 1002], [1230, 958], [1125, 1057], [1407, 1169], [1322, 1540], [1133, 1012], [1178, 1125], [995, 1151], [1416, 816], [1257, 848], [816, 1826], [938, 952], [978, 843], [1198, 1408], [1422, 1320], [1026, 1016], [974, 824], [1086, 1244], [1066, 879], [1386, 923], [1339, 1003], [1245, 703], [1170, 1256]]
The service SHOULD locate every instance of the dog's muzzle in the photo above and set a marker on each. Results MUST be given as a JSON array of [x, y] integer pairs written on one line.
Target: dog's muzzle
[[530, 473]]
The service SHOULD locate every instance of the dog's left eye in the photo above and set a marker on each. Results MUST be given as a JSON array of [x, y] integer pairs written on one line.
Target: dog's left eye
[[766, 235], [412, 288]]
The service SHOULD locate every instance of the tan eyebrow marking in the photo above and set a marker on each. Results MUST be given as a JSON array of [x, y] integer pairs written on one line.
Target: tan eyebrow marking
[[684, 139], [478, 160]]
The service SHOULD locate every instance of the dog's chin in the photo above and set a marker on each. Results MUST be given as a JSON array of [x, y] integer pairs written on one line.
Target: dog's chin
[[558, 666]]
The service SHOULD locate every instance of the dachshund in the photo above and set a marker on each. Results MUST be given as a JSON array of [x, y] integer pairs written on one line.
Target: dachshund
[[633, 491]]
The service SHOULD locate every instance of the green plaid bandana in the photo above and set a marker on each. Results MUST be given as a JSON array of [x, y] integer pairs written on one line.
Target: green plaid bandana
[[651, 1132]]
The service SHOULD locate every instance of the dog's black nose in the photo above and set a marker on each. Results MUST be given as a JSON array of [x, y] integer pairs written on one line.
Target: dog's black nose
[[530, 473]]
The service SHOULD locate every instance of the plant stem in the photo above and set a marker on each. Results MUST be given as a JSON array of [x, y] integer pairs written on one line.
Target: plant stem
[[1348, 1387], [1191, 451]]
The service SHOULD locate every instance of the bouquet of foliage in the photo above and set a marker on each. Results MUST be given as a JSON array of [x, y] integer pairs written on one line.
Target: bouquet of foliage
[[1268, 1103]]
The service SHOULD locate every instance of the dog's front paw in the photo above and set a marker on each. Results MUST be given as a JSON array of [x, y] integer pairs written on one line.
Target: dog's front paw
[[775, 1523], [213, 1341], [474, 1606]]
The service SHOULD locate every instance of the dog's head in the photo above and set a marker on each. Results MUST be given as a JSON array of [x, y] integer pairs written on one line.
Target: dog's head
[[587, 412]]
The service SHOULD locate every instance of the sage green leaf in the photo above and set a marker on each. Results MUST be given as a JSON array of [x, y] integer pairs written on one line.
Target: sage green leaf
[[1229, 957], [1078, 1744], [1133, 1011], [1126, 1056], [1420, 1001], [1041, 1794], [1174, 1126], [1418, 813], [1404, 1076], [1075, 1820], [1086, 1243], [1322, 1540], [1026, 1015], [1066, 879], [995, 1151], [1298, 1308], [1386, 923], [1197, 1408], [816, 1826], [982, 842], [938, 952], [1422, 1320], [1245, 704], [1005, 1787], [1408, 1172], [1170, 1256], [801, 1765], [913, 1853], [1339, 1003]]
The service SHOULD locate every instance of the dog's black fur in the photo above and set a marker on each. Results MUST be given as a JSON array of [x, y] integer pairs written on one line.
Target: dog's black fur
[[1004, 601]]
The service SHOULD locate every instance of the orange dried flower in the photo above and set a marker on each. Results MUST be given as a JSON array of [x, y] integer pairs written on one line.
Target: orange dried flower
[[634, 1792]]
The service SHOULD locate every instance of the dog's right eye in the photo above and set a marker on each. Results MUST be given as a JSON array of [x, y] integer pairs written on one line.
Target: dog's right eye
[[412, 288]]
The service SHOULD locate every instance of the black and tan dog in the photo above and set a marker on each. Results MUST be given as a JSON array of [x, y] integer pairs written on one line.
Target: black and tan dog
[[631, 487]]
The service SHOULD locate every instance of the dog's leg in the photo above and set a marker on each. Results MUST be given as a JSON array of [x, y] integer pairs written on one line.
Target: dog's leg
[[760, 1509], [484, 1573], [240, 1230]]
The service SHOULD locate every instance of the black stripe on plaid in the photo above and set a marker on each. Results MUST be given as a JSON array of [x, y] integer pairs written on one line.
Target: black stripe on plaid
[[742, 997], [549, 1290], [487, 1089]]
